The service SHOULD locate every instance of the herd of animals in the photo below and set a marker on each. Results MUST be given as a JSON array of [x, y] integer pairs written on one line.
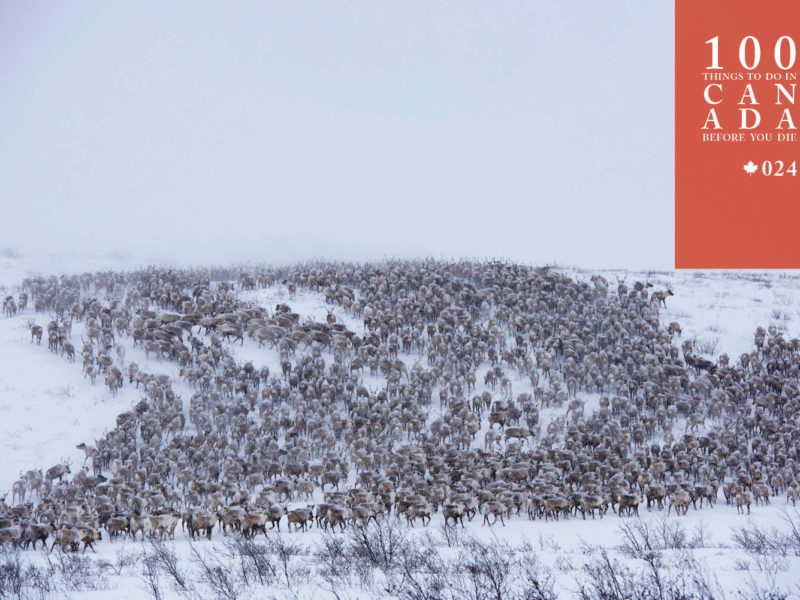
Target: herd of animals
[[413, 412]]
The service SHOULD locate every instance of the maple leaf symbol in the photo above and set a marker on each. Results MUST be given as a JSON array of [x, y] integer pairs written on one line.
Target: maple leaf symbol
[[750, 167]]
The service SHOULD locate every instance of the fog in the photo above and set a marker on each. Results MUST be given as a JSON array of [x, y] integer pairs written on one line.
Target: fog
[[281, 131]]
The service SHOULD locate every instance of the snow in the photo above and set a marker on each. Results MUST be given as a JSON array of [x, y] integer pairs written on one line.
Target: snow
[[47, 407]]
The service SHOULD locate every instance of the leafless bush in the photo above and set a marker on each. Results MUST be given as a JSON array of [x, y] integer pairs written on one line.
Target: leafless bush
[[481, 571], [778, 315], [767, 588], [537, 580], [452, 535], [762, 591], [783, 299], [20, 580], [74, 572], [424, 575], [166, 561], [65, 391], [701, 538], [377, 547], [792, 533], [755, 592], [609, 579], [124, 560], [708, 345], [488, 568], [382, 559], [379, 542], [289, 570], [219, 577], [254, 561], [760, 540], [772, 542], [549, 544], [641, 537], [12, 576], [23, 580], [564, 564], [334, 563], [151, 578]]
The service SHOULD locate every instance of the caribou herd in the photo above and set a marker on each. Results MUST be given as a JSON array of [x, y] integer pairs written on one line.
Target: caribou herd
[[459, 387]]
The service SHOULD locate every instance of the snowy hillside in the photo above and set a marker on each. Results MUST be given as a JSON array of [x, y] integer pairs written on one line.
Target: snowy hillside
[[48, 406]]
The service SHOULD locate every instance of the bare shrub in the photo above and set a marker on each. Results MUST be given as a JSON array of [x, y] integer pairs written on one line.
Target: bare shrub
[[15, 581], [708, 345], [289, 570], [334, 561], [22, 581], [379, 542], [425, 576], [451, 535], [783, 299], [759, 540], [74, 572], [488, 569], [764, 590], [792, 534], [482, 570], [536, 579], [219, 577], [641, 537], [549, 544], [701, 537], [151, 578], [564, 564], [378, 547], [254, 561], [166, 561], [779, 315], [124, 561], [609, 579]]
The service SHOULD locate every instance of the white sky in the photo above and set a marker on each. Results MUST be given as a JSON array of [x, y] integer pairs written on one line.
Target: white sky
[[275, 131]]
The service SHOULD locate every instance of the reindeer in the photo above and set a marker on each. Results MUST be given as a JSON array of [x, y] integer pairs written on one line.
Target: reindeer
[[68, 538], [455, 512], [743, 499], [301, 517], [291, 288], [592, 502], [9, 306], [679, 499], [419, 510], [198, 521], [58, 471], [659, 298], [253, 522], [36, 332], [35, 532], [629, 503], [18, 490], [68, 349], [118, 525]]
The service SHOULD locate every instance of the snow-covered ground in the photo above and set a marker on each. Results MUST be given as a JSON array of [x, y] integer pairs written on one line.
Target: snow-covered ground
[[47, 407]]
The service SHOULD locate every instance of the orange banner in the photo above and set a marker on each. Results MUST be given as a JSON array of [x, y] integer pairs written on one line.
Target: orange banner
[[737, 144]]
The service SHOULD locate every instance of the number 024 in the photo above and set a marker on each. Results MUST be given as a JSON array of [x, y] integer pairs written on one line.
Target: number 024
[[777, 168]]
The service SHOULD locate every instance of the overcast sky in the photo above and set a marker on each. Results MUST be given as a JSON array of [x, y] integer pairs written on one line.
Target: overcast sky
[[217, 131]]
